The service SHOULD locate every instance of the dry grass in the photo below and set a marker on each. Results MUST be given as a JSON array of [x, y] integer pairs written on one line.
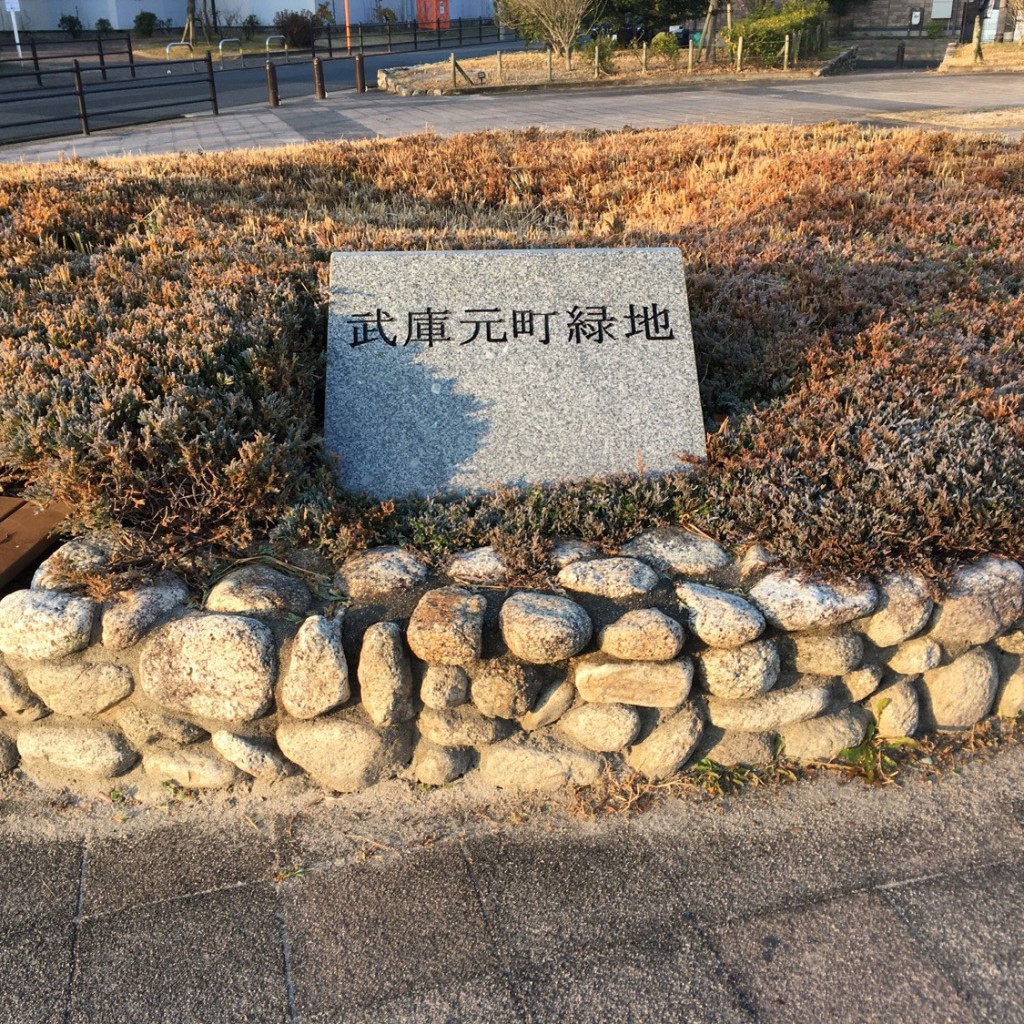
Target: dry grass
[[997, 57], [531, 69], [1003, 119], [857, 299]]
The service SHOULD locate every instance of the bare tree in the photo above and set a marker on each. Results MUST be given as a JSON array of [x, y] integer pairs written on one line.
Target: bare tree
[[558, 22]]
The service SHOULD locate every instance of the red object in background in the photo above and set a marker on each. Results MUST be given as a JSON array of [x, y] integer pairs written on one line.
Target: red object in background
[[433, 14]]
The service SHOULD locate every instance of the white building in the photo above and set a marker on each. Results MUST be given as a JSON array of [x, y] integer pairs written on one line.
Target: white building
[[43, 15]]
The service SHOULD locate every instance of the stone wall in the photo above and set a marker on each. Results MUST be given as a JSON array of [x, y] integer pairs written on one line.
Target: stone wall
[[672, 650], [843, 64]]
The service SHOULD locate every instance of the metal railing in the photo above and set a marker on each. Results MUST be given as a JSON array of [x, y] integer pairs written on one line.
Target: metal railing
[[223, 43], [92, 54], [87, 111]]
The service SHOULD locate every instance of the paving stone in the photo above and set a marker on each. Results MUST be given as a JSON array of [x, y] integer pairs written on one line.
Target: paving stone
[[575, 916], [446, 627], [644, 634], [259, 589], [544, 628], [970, 924], [719, 618], [358, 935], [228, 968], [614, 578], [171, 861], [773, 957], [678, 552], [39, 882]]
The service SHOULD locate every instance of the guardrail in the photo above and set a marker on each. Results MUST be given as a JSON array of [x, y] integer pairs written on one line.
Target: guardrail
[[269, 51], [55, 100]]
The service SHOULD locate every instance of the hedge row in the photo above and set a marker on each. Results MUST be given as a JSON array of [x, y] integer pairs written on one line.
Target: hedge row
[[856, 300], [764, 30]]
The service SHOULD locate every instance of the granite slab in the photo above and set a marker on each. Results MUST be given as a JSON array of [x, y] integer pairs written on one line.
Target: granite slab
[[463, 371]]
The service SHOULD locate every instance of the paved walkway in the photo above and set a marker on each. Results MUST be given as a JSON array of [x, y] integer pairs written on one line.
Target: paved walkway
[[862, 97], [814, 902]]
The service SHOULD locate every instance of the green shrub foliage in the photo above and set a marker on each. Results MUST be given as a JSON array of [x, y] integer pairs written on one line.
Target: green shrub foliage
[[666, 46], [856, 299], [764, 30], [145, 23], [71, 24]]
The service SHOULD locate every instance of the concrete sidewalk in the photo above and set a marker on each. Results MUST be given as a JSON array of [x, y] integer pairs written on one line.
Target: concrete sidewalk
[[811, 902], [858, 98]]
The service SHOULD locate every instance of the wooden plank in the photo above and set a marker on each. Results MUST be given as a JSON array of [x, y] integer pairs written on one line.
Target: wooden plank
[[8, 506], [26, 535]]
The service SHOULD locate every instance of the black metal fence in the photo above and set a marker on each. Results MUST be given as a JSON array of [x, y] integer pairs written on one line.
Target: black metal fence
[[57, 107], [51, 56]]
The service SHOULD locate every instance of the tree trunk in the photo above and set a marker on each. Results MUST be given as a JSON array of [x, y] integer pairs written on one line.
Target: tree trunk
[[189, 35], [976, 40]]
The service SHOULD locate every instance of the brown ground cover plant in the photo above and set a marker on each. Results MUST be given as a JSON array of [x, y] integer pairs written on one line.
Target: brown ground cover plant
[[857, 312]]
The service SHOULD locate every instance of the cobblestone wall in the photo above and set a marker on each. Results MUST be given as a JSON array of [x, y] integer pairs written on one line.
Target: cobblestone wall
[[672, 650]]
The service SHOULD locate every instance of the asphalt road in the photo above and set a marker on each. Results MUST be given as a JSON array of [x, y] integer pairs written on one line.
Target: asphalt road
[[158, 93]]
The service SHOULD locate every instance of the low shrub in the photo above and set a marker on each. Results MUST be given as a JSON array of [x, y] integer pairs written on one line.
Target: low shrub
[[764, 31], [300, 28], [250, 26], [600, 50], [856, 299], [71, 24], [145, 24], [103, 27], [665, 46]]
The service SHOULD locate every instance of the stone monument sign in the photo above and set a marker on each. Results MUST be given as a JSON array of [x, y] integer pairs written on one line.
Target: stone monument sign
[[460, 371]]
